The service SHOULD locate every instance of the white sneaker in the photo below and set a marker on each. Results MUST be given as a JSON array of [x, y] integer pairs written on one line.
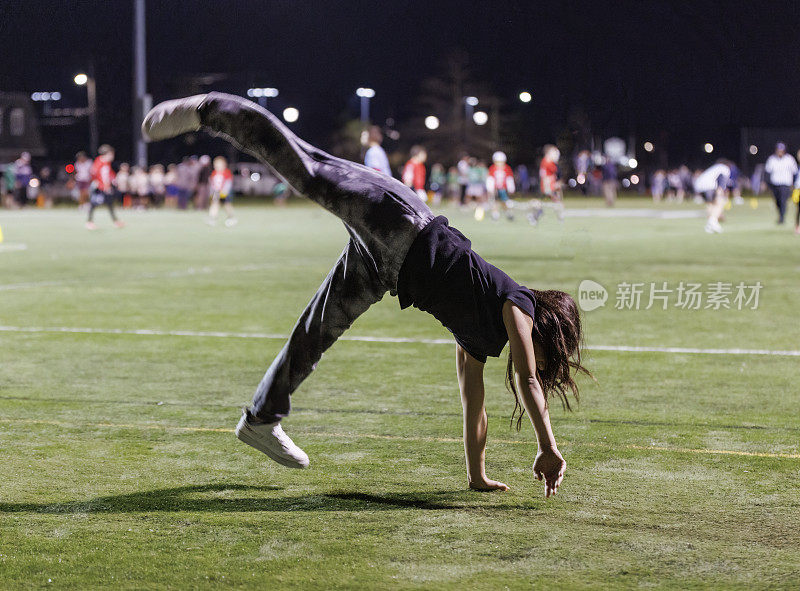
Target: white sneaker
[[270, 439], [172, 118]]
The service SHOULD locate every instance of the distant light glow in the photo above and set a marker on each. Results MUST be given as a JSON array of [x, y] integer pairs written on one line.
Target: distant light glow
[[472, 101], [572, 183], [34, 183], [649, 147], [290, 114], [393, 134], [634, 179], [255, 176], [633, 163], [480, 117], [626, 183], [753, 149], [708, 148], [581, 178], [525, 96], [69, 169], [365, 92], [46, 96], [81, 79], [265, 92], [432, 122]]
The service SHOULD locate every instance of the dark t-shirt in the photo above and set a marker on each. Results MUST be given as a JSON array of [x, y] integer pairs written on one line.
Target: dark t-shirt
[[444, 277]]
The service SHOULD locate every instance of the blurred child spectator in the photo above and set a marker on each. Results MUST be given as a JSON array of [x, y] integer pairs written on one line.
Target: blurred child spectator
[[438, 182], [464, 166], [414, 172], [23, 173], [140, 187], [172, 189], [122, 182], [523, 178], [280, 193], [186, 182], [500, 185], [83, 176], [375, 156], [157, 184], [610, 181], [102, 190], [221, 182], [658, 184], [203, 177], [7, 184], [453, 186]]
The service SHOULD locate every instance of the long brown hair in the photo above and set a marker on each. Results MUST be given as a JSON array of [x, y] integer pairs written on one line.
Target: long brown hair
[[557, 329]]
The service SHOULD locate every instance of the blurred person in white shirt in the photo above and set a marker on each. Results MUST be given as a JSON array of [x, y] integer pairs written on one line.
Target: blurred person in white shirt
[[781, 169]]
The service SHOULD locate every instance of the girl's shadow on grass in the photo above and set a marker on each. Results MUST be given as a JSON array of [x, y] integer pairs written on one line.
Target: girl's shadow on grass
[[230, 498]]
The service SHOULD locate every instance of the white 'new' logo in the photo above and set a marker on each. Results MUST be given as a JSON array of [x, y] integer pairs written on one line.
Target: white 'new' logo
[[591, 295]]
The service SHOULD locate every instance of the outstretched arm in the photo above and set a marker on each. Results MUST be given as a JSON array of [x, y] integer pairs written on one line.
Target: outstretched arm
[[470, 382], [549, 464]]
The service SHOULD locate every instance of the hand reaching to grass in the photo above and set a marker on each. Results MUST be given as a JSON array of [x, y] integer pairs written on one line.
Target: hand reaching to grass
[[549, 466]]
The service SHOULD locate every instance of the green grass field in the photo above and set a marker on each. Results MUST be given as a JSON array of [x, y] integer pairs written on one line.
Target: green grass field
[[120, 469]]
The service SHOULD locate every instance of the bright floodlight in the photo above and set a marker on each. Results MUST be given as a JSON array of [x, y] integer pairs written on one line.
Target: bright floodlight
[[753, 149], [472, 101], [270, 92], [81, 79], [432, 122], [708, 148], [633, 163], [55, 96], [480, 117], [634, 179], [525, 96], [255, 176], [365, 92], [290, 114], [648, 146]]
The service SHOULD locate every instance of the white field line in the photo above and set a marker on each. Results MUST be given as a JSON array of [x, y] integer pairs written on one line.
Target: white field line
[[370, 339], [166, 274], [13, 247]]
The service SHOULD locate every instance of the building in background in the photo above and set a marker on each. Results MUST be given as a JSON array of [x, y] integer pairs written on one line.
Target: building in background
[[19, 127]]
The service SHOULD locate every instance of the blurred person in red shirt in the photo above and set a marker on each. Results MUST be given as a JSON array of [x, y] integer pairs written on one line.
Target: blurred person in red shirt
[[414, 172], [221, 184], [500, 184], [102, 188]]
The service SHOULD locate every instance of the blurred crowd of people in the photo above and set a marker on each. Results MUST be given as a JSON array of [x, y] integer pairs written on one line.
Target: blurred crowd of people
[[482, 185], [196, 182]]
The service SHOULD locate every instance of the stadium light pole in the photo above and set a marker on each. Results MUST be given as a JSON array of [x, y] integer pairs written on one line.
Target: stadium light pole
[[365, 94], [88, 81], [142, 101]]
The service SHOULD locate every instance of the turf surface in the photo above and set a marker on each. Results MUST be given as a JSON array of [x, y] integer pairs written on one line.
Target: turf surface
[[120, 469]]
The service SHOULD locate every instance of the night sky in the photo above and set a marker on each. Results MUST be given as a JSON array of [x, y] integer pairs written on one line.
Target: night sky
[[684, 71]]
